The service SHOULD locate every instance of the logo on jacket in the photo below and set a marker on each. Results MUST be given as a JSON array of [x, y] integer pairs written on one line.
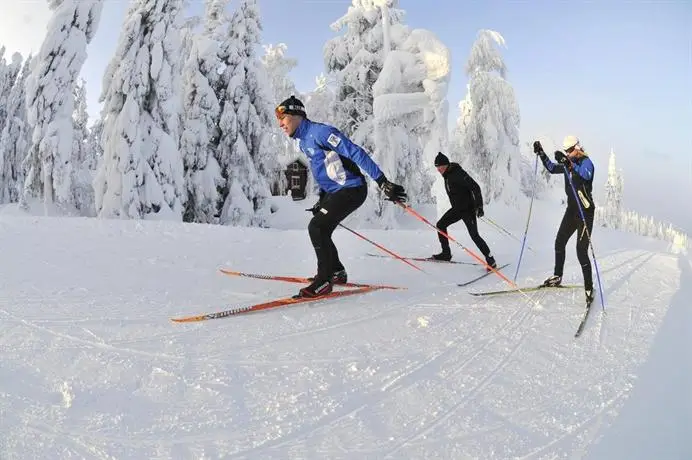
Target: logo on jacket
[[333, 140]]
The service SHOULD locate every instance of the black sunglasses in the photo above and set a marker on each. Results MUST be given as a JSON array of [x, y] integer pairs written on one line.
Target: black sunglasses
[[571, 149]]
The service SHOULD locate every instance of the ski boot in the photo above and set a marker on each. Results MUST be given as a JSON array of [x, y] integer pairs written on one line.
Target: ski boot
[[445, 256], [490, 260], [590, 296], [338, 277], [316, 289], [553, 281]]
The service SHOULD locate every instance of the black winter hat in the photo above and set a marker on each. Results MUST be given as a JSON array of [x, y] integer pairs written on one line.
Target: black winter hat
[[291, 106], [441, 160]]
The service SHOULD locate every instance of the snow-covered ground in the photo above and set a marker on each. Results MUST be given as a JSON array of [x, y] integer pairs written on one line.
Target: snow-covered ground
[[92, 367]]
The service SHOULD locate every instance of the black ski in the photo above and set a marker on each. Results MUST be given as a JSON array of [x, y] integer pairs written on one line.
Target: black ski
[[426, 259], [482, 276], [580, 329], [526, 289]]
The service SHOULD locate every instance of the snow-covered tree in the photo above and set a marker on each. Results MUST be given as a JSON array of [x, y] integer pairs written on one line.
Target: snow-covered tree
[[354, 61], [247, 117], [633, 222], [83, 158], [8, 76], [202, 111], [141, 172], [411, 111], [189, 30], [531, 172], [319, 106], [320, 101], [548, 186], [50, 103], [489, 134], [188, 34], [277, 67], [613, 194], [464, 118], [14, 139], [391, 86]]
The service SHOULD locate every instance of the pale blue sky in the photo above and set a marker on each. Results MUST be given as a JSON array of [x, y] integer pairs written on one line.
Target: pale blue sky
[[615, 73]]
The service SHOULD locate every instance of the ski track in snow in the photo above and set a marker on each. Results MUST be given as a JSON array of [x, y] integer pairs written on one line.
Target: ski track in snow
[[91, 366]]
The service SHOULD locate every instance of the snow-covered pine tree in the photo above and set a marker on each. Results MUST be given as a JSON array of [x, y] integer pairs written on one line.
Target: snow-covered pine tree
[[83, 158], [490, 137], [277, 67], [320, 106], [463, 121], [411, 111], [320, 102], [247, 118], [188, 33], [613, 194], [202, 111], [8, 75], [391, 85], [189, 30], [94, 143], [354, 61], [531, 180], [141, 172], [548, 186], [49, 100], [14, 139]]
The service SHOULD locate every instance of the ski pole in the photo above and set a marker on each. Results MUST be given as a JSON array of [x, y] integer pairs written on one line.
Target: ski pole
[[379, 246], [588, 235], [502, 229], [410, 210], [383, 248], [528, 218]]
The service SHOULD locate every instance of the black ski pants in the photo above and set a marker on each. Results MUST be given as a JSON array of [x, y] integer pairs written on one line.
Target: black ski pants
[[333, 208], [572, 222], [453, 216]]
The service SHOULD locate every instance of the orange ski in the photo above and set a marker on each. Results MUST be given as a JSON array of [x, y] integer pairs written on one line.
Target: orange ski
[[274, 304]]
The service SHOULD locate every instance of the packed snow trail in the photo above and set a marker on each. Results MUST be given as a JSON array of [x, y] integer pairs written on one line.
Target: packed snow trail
[[655, 421], [92, 367]]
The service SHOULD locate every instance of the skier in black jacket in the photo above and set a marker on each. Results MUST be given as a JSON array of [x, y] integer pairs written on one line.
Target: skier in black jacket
[[467, 204], [575, 162]]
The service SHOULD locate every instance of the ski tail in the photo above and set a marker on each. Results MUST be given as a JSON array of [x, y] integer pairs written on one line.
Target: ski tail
[[526, 289], [282, 302], [488, 272], [428, 259], [298, 279], [584, 317]]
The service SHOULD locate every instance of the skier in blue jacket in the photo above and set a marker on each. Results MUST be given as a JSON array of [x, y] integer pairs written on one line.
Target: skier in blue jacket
[[576, 163], [336, 165]]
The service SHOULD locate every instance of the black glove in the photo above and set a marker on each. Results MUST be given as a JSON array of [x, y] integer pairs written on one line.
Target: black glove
[[315, 208], [393, 192], [479, 212], [538, 148], [561, 158]]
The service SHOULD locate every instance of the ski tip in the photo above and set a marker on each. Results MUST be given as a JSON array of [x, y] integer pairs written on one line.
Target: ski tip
[[191, 319]]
